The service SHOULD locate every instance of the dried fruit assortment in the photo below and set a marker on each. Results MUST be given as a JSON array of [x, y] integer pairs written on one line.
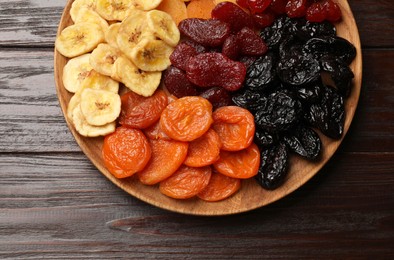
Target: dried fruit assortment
[[243, 88]]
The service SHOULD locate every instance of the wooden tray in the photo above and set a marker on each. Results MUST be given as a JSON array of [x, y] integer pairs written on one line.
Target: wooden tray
[[251, 195]]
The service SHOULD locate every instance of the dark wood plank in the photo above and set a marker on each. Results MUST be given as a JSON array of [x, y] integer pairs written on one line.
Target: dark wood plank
[[29, 23], [32, 121], [341, 213], [34, 23]]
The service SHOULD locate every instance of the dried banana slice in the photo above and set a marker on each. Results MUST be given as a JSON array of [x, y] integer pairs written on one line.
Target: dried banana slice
[[79, 39], [163, 27], [114, 9], [99, 81], [147, 5], [75, 71], [151, 55], [103, 58], [88, 15], [132, 30], [100, 107], [141, 82], [111, 34], [78, 5], [88, 130]]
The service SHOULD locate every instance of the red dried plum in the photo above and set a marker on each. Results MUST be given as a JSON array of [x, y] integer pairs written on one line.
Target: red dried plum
[[181, 55], [279, 6], [296, 8], [250, 43], [316, 13], [264, 19], [334, 13], [232, 14], [216, 70], [198, 47], [231, 48], [176, 82], [274, 166], [218, 97], [209, 32], [258, 6]]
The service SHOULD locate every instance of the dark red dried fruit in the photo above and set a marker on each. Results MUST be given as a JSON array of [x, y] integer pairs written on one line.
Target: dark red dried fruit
[[243, 3], [250, 43], [218, 97], [181, 55], [216, 70], [177, 83], [296, 8], [232, 14], [258, 6], [209, 32], [264, 19], [231, 48], [247, 60], [334, 13], [279, 6], [199, 48], [316, 13]]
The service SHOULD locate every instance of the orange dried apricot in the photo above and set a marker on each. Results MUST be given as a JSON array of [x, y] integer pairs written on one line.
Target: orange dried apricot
[[219, 187]]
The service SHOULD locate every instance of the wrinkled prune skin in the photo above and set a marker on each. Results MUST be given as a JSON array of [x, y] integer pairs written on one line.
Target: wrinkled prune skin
[[276, 33], [261, 74], [340, 73], [265, 139], [304, 141], [290, 46], [274, 166], [310, 94], [306, 30], [208, 32], [253, 101], [297, 70], [281, 112], [218, 97], [337, 47], [329, 114]]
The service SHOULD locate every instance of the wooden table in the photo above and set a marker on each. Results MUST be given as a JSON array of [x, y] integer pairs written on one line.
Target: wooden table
[[54, 204]]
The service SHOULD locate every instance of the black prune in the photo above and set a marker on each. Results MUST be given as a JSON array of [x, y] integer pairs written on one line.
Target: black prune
[[304, 141], [305, 30], [250, 100], [290, 46], [340, 73], [274, 34], [310, 94], [337, 47], [261, 74], [329, 114], [274, 166], [296, 70], [281, 112], [265, 139]]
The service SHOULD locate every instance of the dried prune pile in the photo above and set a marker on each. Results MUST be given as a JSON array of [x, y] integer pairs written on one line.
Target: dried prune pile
[[288, 93]]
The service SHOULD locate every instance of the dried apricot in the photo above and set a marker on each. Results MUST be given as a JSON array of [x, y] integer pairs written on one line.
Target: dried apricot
[[167, 157], [204, 150], [235, 127], [125, 152], [186, 182], [219, 187], [200, 9], [187, 118], [141, 112], [154, 132], [242, 164]]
